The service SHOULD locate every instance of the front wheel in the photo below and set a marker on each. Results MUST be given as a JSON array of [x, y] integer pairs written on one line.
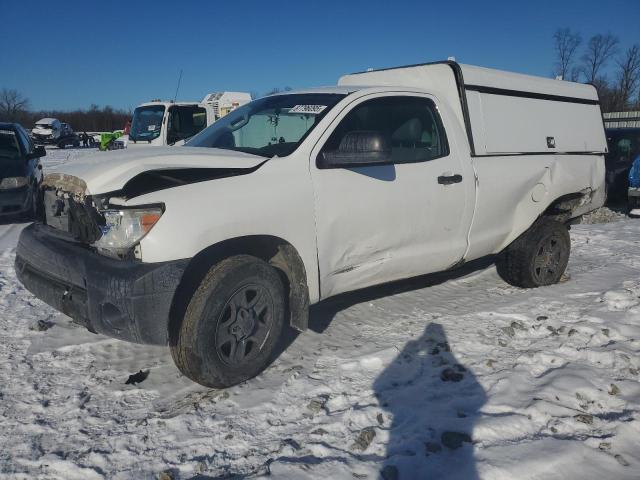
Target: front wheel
[[233, 323], [538, 257]]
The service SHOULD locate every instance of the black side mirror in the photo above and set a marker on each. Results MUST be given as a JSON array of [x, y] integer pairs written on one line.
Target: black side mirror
[[38, 152], [173, 137], [358, 149]]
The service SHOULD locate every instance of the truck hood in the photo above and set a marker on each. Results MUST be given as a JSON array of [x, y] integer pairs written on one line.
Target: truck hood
[[108, 172]]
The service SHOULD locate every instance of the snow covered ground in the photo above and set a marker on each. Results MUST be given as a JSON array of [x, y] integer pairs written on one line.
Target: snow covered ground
[[450, 376]]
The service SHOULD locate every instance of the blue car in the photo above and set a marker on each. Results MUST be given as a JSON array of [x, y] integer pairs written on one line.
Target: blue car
[[20, 172]]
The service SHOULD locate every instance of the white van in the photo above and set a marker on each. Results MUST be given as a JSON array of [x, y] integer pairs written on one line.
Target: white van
[[47, 131], [216, 247]]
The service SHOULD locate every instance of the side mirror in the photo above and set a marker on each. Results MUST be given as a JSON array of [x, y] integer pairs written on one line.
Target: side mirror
[[358, 149], [38, 152], [173, 137]]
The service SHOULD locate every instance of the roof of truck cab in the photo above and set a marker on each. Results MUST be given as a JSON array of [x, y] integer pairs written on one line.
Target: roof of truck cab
[[339, 89], [168, 103]]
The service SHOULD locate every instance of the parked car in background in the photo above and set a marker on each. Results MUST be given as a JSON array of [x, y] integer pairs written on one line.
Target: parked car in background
[[216, 247], [20, 171], [68, 138], [47, 131]]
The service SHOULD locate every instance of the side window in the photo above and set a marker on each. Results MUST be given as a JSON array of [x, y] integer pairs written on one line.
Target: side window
[[185, 122], [25, 142], [32, 146], [411, 125]]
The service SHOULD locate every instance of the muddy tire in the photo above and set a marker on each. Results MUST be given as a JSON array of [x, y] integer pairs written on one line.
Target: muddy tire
[[538, 257], [233, 323]]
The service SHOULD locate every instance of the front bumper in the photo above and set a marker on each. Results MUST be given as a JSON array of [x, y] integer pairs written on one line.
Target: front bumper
[[43, 139], [127, 300], [14, 201]]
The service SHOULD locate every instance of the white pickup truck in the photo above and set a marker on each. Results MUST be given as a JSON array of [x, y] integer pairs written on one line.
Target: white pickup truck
[[216, 247]]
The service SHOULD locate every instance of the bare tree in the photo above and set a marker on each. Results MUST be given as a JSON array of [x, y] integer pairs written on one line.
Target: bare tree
[[12, 104], [566, 45], [600, 50], [628, 76]]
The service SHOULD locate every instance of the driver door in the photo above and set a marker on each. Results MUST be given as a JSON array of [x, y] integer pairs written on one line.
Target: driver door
[[411, 216]]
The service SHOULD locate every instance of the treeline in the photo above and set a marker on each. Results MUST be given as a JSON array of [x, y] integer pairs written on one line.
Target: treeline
[[602, 62], [15, 108], [95, 119]]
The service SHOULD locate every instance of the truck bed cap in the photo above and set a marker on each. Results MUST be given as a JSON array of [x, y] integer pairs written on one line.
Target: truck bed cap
[[504, 113], [489, 77]]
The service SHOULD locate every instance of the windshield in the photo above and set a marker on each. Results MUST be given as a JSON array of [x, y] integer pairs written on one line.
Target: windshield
[[268, 126], [146, 123], [43, 125], [9, 149]]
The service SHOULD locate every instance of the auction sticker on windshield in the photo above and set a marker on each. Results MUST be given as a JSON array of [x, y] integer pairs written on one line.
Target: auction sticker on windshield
[[311, 109]]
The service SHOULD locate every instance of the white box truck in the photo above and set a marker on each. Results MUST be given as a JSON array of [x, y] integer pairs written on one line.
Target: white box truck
[[171, 123], [217, 247]]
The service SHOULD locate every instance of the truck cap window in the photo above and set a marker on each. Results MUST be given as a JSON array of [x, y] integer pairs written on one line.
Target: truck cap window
[[411, 125], [268, 126]]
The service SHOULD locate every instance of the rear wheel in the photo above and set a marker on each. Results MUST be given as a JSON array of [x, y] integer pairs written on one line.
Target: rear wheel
[[538, 257], [233, 323]]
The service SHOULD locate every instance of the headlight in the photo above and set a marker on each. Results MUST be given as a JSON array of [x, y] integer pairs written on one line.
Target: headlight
[[13, 182], [125, 228]]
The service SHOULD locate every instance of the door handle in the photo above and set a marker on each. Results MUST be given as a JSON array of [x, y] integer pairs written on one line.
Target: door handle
[[449, 179]]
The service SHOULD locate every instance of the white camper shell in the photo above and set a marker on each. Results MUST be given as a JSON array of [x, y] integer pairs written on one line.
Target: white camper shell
[[303, 195], [506, 113]]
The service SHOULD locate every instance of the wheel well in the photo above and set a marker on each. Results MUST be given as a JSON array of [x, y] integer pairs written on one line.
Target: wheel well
[[562, 208], [273, 250]]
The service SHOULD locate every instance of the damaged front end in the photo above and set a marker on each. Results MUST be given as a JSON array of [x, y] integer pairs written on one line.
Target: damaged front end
[[67, 207], [84, 257], [113, 230], [83, 260]]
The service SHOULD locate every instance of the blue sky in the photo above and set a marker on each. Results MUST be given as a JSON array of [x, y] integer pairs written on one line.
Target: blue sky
[[68, 54]]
